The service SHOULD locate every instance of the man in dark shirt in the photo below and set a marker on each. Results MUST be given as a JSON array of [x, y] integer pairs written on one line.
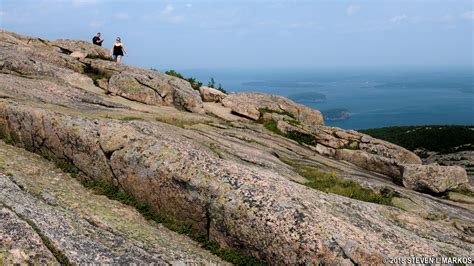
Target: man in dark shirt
[[96, 40]]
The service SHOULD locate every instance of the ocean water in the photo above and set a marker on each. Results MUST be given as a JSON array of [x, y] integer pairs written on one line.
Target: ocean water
[[374, 97]]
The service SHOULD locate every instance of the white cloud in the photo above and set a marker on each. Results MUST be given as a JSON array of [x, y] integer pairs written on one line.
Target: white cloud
[[95, 24], [84, 2], [469, 15], [398, 19], [168, 9], [447, 18], [168, 14], [122, 16], [352, 9]]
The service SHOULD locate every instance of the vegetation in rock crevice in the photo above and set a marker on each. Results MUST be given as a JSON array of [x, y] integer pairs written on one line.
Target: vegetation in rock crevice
[[58, 254], [283, 112], [351, 146], [297, 136], [99, 56], [331, 183], [95, 74], [112, 192]]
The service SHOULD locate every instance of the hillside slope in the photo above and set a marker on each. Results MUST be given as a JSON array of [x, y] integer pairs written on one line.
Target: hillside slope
[[244, 171]]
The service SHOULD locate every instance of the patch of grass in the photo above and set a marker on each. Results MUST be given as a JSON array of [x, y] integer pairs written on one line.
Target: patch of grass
[[272, 126], [299, 137], [67, 167], [112, 192], [177, 122], [95, 74], [434, 216], [349, 145], [329, 182], [463, 191], [266, 110], [99, 56], [130, 118]]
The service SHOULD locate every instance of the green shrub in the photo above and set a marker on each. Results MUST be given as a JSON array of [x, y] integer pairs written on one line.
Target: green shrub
[[95, 74], [67, 167], [266, 110], [112, 192], [194, 83], [272, 125], [443, 139], [174, 74], [130, 118], [301, 137], [329, 182]]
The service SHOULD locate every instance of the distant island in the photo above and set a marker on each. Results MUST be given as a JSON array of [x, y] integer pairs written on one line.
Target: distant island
[[281, 84], [336, 114], [308, 97]]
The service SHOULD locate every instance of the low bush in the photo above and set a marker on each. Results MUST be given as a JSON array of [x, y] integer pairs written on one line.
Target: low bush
[[331, 183], [443, 139]]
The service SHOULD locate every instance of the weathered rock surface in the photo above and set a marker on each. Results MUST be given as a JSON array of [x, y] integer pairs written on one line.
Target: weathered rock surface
[[89, 50], [369, 161], [222, 174], [433, 178], [360, 149], [19, 243], [53, 59], [223, 199], [248, 104], [81, 226], [463, 159], [211, 94]]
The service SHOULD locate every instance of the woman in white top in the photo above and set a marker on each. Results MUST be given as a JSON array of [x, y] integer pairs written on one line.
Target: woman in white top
[[117, 50]]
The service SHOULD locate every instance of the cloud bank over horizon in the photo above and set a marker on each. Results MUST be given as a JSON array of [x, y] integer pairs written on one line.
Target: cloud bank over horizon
[[259, 34]]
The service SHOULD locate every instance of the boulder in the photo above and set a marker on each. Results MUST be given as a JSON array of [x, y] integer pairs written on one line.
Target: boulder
[[323, 150], [78, 54], [88, 49], [250, 105], [369, 161], [211, 94], [151, 87], [126, 85], [433, 178]]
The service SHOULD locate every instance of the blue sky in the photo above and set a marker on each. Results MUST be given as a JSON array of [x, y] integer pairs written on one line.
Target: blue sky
[[260, 34]]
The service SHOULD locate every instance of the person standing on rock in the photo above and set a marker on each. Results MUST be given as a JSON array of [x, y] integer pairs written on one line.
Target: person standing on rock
[[96, 40], [118, 50]]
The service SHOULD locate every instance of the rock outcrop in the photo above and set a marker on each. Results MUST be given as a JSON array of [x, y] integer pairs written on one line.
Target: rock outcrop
[[224, 176], [82, 49], [433, 178], [49, 211], [65, 59], [211, 94], [251, 104]]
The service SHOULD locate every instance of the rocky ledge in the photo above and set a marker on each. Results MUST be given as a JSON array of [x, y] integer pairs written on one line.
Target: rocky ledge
[[238, 169]]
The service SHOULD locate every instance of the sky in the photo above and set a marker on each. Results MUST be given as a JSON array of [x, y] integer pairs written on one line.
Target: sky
[[246, 34]]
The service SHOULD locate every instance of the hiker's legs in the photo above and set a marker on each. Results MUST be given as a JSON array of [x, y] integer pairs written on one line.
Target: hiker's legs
[[118, 59]]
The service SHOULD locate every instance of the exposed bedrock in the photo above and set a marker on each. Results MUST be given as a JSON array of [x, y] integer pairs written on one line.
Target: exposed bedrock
[[252, 209], [251, 104]]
